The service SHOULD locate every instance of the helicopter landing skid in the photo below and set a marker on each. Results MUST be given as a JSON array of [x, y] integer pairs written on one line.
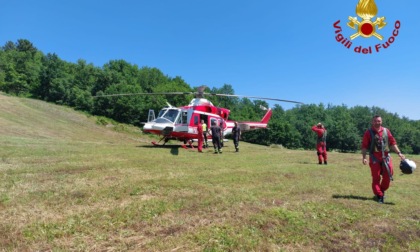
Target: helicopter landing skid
[[188, 147], [157, 144]]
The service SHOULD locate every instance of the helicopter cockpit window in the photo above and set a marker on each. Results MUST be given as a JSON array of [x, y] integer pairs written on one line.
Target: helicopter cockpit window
[[161, 112], [171, 114], [183, 118]]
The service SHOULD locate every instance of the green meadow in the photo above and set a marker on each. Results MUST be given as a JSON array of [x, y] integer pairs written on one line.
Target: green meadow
[[73, 182]]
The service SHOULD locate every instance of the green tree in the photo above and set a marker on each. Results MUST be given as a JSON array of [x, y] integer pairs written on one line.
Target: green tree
[[117, 72], [55, 80], [20, 67], [83, 78], [169, 85], [149, 78], [362, 117], [303, 117], [2, 68], [342, 132], [217, 98], [125, 109]]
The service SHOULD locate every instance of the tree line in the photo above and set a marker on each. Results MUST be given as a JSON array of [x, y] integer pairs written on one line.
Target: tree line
[[28, 72]]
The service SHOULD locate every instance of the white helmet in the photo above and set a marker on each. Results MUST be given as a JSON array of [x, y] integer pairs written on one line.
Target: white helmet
[[407, 166]]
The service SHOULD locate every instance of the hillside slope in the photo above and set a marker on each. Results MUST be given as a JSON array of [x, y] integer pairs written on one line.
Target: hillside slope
[[33, 119]]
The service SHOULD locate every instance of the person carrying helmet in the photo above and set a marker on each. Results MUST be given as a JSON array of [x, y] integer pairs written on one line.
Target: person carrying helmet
[[378, 142], [407, 166], [321, 142]]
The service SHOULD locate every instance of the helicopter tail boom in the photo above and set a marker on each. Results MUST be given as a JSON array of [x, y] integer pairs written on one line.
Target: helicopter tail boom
[[267, 116], [247, 126]]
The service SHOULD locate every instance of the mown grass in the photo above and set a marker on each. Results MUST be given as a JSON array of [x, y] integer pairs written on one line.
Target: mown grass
[[68, 183]]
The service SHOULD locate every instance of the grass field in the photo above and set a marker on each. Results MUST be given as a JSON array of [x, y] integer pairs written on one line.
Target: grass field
[[68, 183]]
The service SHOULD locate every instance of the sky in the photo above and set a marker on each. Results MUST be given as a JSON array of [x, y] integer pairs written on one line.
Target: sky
[[267, 48]]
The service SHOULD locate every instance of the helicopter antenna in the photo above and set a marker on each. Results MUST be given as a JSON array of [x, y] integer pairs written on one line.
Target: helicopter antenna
[[169, 105]]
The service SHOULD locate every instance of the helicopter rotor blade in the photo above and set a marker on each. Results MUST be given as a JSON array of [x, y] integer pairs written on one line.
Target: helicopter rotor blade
[[254, 97], [199, 94], [131, 94]]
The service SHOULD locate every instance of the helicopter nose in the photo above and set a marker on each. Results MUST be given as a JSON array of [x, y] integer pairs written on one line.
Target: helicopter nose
[[147, 126], [155, 126]]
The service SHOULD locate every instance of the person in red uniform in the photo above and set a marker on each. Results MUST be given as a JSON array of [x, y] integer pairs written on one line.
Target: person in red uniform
[[321, 142], [200, 137], [378, 142]]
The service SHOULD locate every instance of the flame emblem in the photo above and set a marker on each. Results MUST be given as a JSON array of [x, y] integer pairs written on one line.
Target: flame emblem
[[366, 9]]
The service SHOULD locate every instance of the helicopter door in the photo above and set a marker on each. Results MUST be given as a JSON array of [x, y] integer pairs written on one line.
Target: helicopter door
[[205, 118], [195, 119], [151, 116], [181, 124]]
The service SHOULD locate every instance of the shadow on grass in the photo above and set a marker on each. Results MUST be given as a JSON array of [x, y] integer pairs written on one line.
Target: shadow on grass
[[174, 147], [354, 197]]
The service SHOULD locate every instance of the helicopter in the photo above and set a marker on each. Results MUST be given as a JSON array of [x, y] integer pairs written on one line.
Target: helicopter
[[180, 123]]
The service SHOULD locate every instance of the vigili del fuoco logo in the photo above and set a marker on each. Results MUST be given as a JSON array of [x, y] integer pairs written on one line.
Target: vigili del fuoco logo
[[366, 28]]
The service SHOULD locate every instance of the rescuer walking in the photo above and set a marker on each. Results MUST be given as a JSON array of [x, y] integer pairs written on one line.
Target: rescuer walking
[[378, 142]]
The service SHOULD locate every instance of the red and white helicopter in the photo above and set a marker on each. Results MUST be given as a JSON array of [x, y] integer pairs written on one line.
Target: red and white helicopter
[[180, 123]]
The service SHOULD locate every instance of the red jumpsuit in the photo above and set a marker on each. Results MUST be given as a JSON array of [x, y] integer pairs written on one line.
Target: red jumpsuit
[[321, 145], [200, 137], [376, 162]]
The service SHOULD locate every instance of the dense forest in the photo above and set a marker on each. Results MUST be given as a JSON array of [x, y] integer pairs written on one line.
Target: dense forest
[[27, 72]]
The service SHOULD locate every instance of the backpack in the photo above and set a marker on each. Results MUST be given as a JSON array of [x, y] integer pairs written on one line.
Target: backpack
[[384, 143]]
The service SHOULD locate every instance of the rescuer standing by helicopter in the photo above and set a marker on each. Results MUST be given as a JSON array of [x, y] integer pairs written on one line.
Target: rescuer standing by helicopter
[[216, 131], [204, 133], [200, 137], [236, 133], [321, 142], [222, 125]]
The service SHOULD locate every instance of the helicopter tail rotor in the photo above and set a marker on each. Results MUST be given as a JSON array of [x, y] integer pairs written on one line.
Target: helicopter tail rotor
[[263, 108]]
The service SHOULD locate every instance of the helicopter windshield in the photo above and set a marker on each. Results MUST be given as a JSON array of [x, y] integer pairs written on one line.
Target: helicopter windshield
[[169, 114], [161, 112]]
